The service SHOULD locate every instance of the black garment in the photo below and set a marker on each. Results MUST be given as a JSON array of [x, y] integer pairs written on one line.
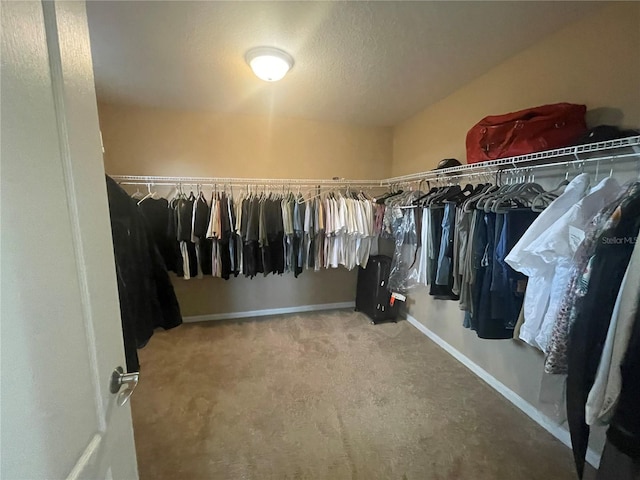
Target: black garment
[[271, 247], [202, 246], [615, 465], [225, 236], [184, 209], [147, 298], [498, 283], [182, 218], [624, 431], [233, 241], [171, 228], [193, 259], [590, 329], [156, 212], [264, 238], [298, 237], [206, 256], [201, 218], [252, 257], [275, 233], [477, 254]]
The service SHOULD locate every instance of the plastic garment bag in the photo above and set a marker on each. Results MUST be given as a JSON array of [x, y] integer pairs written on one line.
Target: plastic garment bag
[[404, 267]]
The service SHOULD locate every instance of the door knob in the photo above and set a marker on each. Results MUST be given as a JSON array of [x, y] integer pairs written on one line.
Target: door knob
[[118, 379]]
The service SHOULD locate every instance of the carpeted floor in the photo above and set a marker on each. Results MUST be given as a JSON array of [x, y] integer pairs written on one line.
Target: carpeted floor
[[326, 396]]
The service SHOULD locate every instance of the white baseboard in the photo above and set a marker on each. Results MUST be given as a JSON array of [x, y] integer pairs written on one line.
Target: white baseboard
[[536, 415], [267, 312]]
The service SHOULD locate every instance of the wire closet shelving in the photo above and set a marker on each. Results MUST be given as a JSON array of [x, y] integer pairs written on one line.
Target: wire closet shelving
[[624, 148]]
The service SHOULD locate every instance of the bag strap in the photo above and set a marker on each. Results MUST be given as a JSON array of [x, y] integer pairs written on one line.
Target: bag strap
[[507, 141]]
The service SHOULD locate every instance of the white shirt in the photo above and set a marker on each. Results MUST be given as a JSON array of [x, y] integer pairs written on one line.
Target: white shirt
[[557, 246], [540, 275]]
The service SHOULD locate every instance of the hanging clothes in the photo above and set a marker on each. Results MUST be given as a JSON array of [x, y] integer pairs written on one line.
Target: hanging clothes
[[589, 331], [298, 235], [199, 223], [147, 298], [401, 225], [556, 361], [540, 277], [605, 392], [157, 214], [184, 217]]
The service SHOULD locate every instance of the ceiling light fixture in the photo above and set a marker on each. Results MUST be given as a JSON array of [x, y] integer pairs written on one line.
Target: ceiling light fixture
[[268, 63]]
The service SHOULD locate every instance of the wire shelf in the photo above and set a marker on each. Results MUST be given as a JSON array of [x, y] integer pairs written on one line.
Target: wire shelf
[[623, 148], [603, 150], [239, 181]]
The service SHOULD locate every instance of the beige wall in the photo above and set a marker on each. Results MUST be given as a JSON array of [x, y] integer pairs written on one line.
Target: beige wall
[[145, 141], [150, 141], [215, 295], [595, 61]]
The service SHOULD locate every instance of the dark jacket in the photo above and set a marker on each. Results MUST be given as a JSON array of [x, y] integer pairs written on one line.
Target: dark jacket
[[624, 431], [147, 298]]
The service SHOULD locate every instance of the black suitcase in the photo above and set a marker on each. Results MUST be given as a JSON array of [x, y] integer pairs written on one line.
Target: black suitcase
[[373, 298]]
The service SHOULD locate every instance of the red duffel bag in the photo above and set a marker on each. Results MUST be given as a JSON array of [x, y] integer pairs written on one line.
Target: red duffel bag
[[527, 131]]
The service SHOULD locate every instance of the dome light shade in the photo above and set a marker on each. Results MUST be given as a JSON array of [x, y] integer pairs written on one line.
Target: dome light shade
[[268, 63]]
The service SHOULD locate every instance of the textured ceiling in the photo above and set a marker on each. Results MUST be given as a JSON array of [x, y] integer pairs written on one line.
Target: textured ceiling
[[368, 63]]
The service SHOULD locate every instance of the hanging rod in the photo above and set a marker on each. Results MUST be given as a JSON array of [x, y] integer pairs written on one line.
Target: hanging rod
[[237, 181], [597, 152], [600, 151]]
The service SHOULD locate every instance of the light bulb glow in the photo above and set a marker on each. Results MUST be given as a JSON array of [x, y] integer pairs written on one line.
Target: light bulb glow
[[269, 64]]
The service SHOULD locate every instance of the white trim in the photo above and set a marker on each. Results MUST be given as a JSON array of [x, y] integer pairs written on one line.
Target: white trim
[[536, 415], [267, 312], [87, 458]]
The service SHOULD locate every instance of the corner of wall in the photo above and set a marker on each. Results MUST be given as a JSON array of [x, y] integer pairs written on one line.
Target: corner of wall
[[593, 61]]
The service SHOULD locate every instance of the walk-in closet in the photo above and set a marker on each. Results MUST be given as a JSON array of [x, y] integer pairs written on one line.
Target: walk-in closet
[[320, 240]]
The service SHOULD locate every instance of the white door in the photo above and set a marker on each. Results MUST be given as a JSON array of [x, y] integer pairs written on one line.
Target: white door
[[60, 325]]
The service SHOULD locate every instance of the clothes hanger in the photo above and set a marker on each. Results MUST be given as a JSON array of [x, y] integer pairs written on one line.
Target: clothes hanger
[[460, 196], [439, 194], [432, 190], [492, 193], [514, 184], [468, 205], [138, 194], [450, 192], [544, 199], [482, 189], [521, 197], [148, 195], [387, 195]]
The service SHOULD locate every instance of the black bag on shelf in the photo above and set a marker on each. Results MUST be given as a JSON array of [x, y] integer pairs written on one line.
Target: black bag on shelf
[[373, 298]]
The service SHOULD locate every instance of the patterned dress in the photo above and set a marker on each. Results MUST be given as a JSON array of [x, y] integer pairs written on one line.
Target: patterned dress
[[556, 361]]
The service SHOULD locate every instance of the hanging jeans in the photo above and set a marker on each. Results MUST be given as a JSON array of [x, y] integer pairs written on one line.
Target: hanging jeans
[[445, 256], [488, 326], [442, 292], [507, 285]]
